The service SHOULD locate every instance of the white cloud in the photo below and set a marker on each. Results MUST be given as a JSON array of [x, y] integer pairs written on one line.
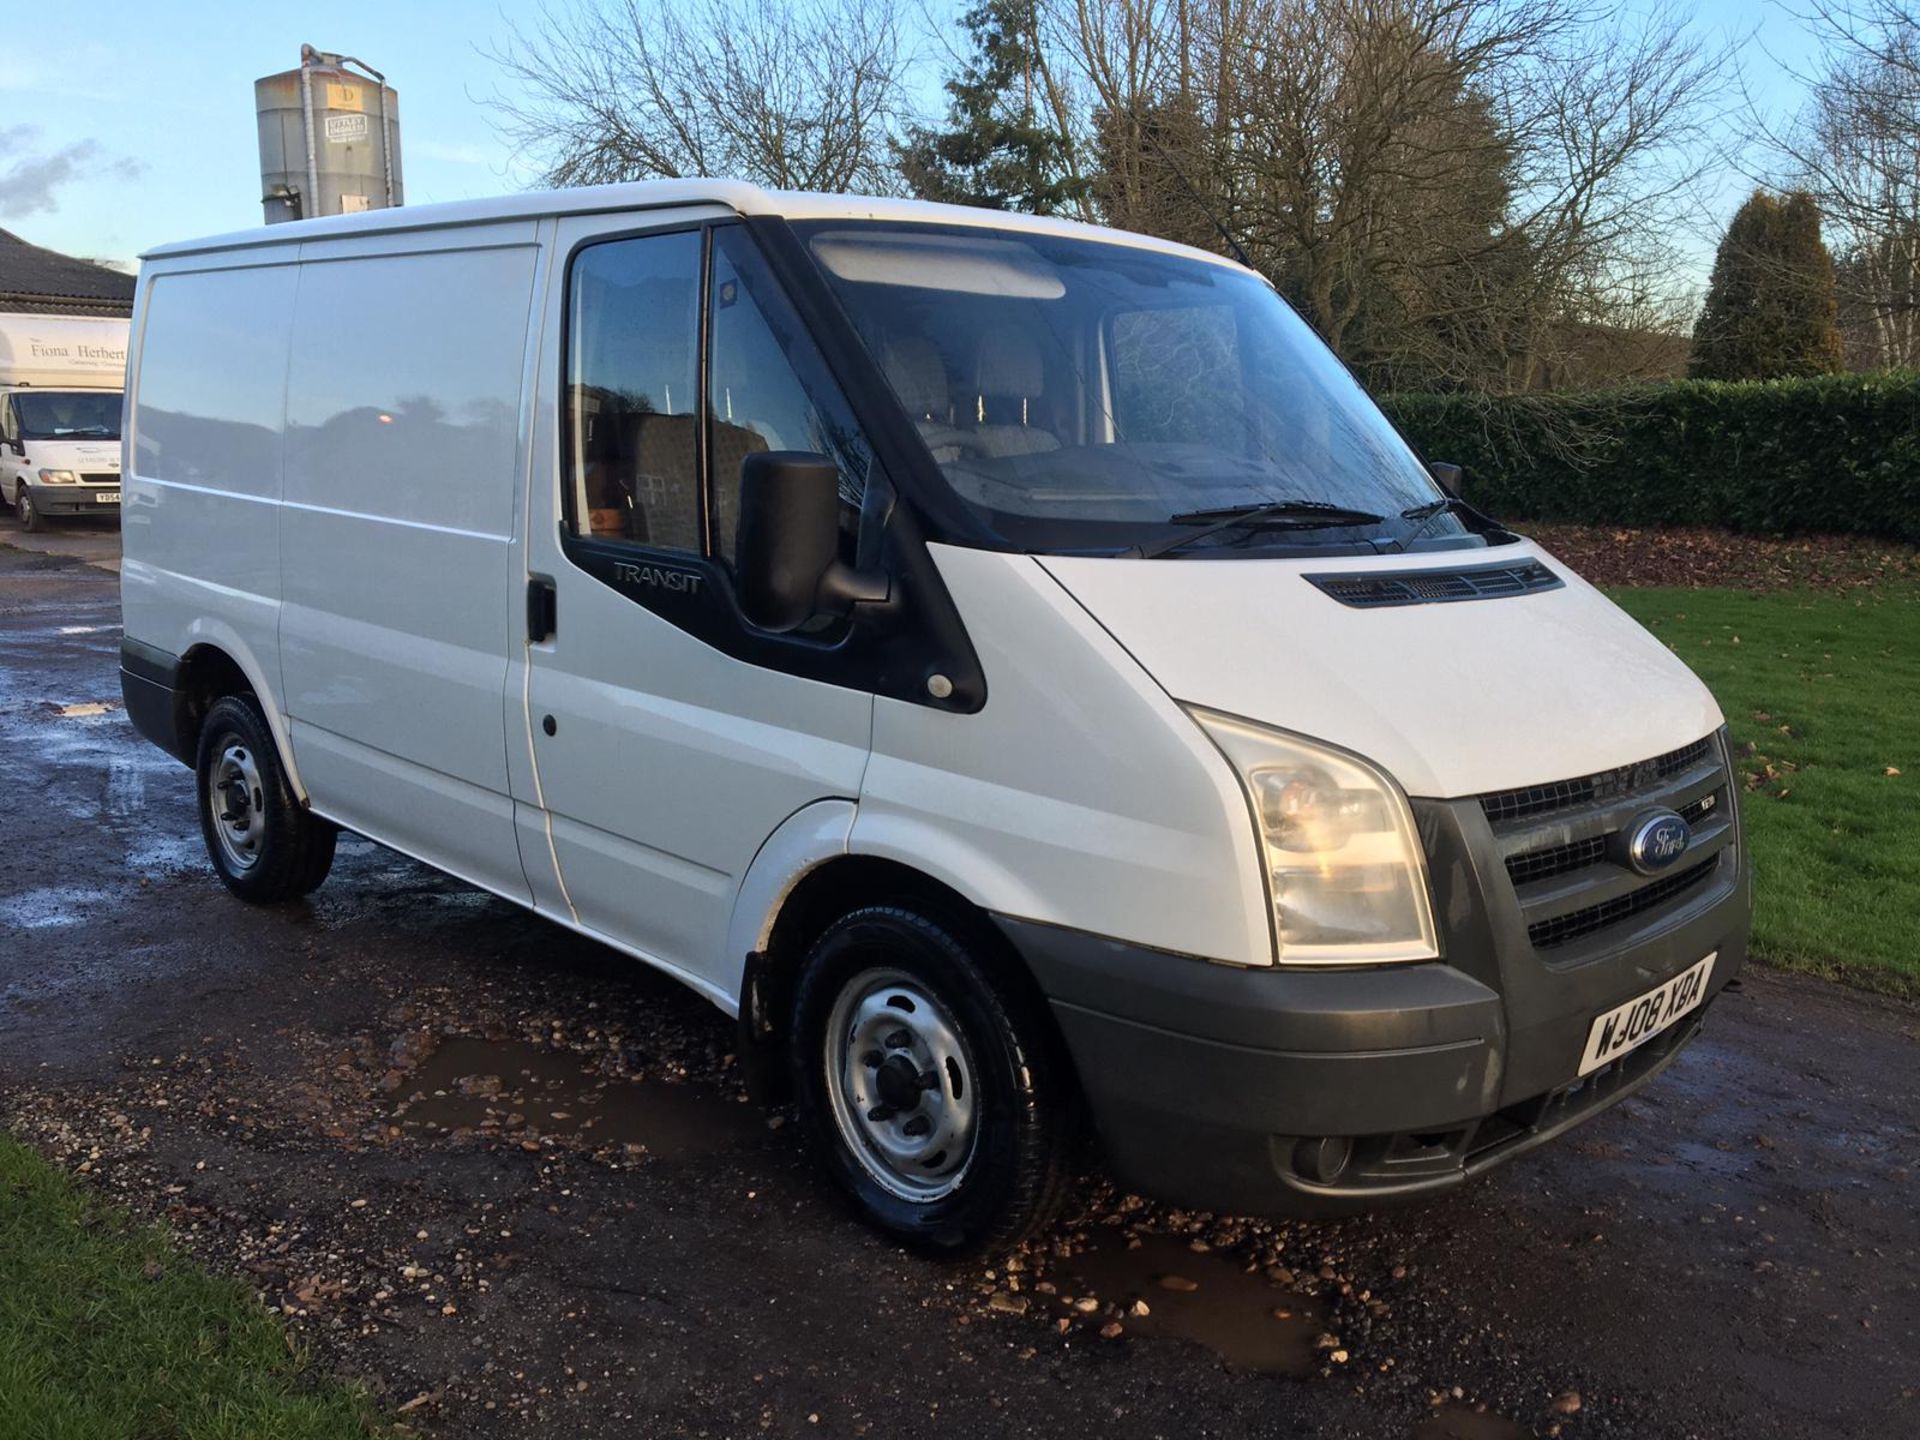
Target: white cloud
[[30, 179]]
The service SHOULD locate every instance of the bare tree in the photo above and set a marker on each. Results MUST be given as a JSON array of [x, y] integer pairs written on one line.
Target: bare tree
[[1447, 188], [1611, 124], [1856, 148], [799, 96]]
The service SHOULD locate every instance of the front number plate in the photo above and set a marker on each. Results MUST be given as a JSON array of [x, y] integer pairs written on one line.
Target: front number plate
[[1628, 1026], [106, 497]]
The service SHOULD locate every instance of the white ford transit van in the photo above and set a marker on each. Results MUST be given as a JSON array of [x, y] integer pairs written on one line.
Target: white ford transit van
[[60, 384], [1009, 664]]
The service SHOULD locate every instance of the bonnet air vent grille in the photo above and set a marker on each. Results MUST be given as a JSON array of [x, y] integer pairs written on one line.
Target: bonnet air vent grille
[[1375, 590]]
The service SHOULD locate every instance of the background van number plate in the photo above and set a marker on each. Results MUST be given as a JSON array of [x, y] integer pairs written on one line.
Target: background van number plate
[[1629, 1026]]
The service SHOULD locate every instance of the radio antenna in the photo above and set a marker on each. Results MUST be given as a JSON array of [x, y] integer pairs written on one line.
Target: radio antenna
[[1233, 244]]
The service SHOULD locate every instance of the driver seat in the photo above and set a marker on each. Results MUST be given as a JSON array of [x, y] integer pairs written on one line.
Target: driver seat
[[918, 375]]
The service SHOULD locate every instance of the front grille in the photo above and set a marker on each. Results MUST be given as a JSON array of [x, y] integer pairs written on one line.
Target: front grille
[[1564, 844], [1530, 801], [1545, 934], [1377, 590], [1552, 860], [102, 477], [1556, 859]]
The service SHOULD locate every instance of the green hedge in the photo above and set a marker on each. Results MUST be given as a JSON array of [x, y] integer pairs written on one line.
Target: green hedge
[[1835, 455]]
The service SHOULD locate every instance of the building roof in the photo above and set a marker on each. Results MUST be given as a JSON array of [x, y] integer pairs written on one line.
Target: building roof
[[735, 195], [45, 282]]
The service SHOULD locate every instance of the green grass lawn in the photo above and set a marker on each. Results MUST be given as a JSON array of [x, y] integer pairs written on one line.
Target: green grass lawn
[[107, 1333], [1825, 685]]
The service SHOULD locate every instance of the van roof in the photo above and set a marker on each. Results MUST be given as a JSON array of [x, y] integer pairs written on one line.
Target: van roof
[[736, 195]]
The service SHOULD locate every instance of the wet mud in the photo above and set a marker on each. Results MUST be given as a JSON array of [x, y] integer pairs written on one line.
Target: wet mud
[[1459, 1422], [1161, 1286], [470, 1086]]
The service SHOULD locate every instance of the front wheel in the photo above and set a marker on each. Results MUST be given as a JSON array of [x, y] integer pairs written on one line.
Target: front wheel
[[930, 1082], [266, 845], [25, 511]]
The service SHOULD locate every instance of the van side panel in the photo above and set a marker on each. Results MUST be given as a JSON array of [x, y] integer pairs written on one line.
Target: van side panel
[[203, 457], [403, 417]]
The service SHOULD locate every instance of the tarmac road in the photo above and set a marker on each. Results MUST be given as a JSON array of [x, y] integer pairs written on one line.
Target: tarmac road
[[507, 1178]]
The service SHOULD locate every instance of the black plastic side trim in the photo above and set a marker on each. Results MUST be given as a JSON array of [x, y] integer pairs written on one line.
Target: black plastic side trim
[[150, 662], [149, 686]]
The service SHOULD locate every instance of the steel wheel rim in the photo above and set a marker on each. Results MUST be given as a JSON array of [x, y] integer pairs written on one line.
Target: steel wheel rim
[[236, 799], [902, 1085]]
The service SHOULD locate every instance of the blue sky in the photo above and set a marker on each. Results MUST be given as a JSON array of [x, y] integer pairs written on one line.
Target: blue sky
[[124, 123]]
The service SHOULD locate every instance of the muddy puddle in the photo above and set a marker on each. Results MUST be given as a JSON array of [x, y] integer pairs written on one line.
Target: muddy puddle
[[53, 907], [1199, 1296], [1463, 1422], [519, 1090]]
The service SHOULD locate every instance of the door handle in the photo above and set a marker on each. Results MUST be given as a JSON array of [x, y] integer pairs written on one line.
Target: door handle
[[543, 609]]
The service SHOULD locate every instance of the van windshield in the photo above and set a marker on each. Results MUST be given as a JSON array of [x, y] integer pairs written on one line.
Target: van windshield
[[67, 414], [1084, 395]]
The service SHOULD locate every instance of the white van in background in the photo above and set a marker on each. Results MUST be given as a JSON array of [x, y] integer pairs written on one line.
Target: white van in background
[[60, 396], [1010, 665]]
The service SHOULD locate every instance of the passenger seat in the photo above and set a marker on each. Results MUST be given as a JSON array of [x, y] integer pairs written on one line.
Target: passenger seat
[[1010, 378]]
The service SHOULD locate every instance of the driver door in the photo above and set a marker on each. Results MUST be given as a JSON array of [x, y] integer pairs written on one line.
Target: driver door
[[660, 750]]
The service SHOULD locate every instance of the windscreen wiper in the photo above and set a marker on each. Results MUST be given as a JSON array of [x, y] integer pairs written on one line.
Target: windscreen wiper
[[1264, 514], [1433, 510]]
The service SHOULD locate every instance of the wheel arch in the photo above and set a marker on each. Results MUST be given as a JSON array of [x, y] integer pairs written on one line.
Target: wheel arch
[[835, 886], [213, 667]]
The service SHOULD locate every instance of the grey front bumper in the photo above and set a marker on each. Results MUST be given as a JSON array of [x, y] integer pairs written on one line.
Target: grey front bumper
[[70, 500], [1204, 1079]]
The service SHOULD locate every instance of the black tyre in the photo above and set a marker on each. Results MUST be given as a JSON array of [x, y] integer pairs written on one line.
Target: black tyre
[[930, 1083], [265, 844], [25, 511]]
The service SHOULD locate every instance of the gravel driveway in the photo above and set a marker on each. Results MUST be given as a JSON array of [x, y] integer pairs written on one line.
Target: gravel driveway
[[512, 1181]]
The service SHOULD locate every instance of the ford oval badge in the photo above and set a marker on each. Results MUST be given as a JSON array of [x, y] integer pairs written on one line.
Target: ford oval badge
[[1658, 840]]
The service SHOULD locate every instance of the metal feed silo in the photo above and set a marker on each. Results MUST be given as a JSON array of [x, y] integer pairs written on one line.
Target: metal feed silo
[[329, 138]]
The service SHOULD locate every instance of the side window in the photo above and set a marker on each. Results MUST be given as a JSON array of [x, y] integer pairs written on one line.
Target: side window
[[769, 389], [1176, 376], [632, 391], [8, 429]]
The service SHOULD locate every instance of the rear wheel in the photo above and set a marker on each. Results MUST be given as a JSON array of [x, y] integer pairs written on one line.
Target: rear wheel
[[930, 1082], [264, 843]]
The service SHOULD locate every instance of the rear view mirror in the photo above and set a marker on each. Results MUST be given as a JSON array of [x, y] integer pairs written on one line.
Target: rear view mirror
[[1446, 476], [787, 548]]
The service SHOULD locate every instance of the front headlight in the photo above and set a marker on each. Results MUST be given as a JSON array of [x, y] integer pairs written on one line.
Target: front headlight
[[1344, 867], [59, 477]]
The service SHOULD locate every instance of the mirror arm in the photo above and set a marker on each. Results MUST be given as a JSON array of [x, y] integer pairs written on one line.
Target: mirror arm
[[842, 587]]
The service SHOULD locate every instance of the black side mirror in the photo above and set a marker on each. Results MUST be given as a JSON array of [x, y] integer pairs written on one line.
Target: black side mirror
[[787, 549], [1446, 476]]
